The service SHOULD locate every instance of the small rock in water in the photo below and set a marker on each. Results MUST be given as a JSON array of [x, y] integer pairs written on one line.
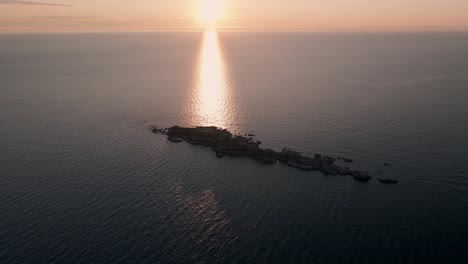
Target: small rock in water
[[362, 176], [388, 181]]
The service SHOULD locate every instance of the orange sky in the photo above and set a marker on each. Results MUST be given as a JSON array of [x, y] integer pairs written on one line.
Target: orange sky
[[121, 15]]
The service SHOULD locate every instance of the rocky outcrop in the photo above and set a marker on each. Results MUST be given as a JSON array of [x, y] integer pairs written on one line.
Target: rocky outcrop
[[224, 142]]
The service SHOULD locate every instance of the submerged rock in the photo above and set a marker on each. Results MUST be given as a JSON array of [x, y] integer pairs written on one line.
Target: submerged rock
[[158, 130], [343, 171], [174, 139], [305, 167], [362, 176], [293, 163], [330, 171], [388, 181]]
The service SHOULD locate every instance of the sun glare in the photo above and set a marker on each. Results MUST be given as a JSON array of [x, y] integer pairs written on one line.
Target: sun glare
[[210, 10]]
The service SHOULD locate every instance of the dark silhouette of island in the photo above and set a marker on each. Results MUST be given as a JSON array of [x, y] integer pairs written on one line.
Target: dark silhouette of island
[[223, 142]]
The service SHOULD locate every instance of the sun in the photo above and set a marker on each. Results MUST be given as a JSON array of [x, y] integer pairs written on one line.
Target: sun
[[210, 10]]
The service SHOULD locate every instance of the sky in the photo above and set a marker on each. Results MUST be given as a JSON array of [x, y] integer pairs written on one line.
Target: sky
[[279, 15]]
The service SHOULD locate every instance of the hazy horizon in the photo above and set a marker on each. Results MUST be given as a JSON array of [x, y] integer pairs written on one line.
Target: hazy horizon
[[241, 15]]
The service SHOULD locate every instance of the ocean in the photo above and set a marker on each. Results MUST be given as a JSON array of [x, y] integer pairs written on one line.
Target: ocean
[[83, 180]]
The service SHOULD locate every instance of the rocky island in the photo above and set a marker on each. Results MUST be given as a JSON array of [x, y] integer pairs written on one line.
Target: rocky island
[[223, 142]]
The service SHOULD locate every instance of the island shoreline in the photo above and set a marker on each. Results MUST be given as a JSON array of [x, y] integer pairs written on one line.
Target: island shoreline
[[225, 143]]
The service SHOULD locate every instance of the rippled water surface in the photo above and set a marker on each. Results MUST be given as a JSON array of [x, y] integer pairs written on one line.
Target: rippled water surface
[[82, 180]]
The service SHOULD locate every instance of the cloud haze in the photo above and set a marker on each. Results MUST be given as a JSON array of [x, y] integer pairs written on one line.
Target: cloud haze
[[259, 15], [30, 3]]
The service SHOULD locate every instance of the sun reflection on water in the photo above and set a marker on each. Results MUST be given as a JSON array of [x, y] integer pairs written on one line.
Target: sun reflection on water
[[211, 97]]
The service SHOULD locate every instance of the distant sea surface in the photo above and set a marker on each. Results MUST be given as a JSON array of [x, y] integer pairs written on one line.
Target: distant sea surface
[[83, 180]]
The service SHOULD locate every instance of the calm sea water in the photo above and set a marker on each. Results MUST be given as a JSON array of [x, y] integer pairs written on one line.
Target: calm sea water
[[82, 180]]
